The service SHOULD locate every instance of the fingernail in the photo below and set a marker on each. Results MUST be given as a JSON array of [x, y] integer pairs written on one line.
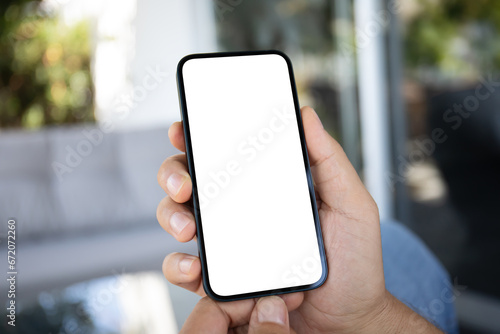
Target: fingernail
[[271, 309], [178, 221], [185, 265], [175, 182]]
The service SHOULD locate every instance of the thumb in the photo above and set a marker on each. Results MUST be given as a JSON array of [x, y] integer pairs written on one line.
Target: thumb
[[336, 180], [270, 315]]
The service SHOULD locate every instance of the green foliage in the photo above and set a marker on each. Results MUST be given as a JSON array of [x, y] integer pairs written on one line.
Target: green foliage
[[458, 38], [44, 69]]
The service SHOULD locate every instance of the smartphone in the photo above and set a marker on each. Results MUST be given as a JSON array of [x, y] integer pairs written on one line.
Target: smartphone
[[253, 196]]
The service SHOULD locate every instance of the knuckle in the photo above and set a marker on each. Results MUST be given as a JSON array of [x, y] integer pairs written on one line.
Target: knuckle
[[168, 261], [162, 209]]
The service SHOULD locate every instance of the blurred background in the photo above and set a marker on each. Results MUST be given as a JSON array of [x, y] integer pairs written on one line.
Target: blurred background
[[87, 92]]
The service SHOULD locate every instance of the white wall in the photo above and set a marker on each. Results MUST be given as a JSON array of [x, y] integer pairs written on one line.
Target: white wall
[[164, 32]]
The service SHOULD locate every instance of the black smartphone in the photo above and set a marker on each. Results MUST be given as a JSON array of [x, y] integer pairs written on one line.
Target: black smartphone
[[253, 196]]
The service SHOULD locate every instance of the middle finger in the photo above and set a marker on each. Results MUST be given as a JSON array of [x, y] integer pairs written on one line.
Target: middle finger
[[174, 178], [176, 219]]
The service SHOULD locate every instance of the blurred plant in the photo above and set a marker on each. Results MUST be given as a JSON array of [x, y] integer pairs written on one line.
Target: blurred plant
[[454, 38], [44, 68]]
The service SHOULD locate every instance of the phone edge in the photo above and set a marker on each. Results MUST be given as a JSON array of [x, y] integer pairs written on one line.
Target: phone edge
[[195, 200]]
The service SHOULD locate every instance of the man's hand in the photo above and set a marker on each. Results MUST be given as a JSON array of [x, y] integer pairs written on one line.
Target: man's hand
[[354, 298], [267, 315]]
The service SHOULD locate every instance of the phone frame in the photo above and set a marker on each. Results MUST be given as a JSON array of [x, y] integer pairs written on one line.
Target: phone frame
[[195, 198]]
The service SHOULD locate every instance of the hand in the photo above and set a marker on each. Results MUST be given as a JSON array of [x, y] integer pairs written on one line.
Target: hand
[[354, 298], [268, 315]]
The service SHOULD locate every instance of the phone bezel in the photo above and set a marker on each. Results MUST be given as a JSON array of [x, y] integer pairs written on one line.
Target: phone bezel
[[195, 199]]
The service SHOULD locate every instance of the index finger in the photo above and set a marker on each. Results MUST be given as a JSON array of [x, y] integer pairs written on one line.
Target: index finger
[[176, 136]]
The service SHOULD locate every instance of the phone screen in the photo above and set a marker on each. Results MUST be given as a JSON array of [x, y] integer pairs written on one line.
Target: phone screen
[[254, 202]]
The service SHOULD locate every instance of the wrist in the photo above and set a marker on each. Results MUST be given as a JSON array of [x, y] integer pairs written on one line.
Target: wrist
[[393, 316]]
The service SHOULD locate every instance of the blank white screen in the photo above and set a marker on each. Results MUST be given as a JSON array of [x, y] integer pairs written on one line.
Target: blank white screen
[[256, 213]]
